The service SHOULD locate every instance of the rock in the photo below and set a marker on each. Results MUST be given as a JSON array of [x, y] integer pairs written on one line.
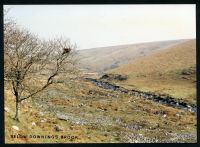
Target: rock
[[105, 76], [140, 135], [15, 128], [43, 120], [58, 128], [190, 110], [80, 105], [71, 127], [178, 115], [33, 124], [114, 77], [7, 109], [91, 92], [184, 77], [121, 77], [41, 113], [165, 115], [186, 72]]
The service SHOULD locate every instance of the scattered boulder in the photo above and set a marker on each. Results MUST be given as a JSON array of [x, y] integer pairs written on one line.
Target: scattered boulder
[[165, 115], [123, 90], [58, 128], [81, 104], [188, 74], [7, 109], [121, 77], [160, 112], [178, 115], [185, 77], [43, 120], [15, 128], [190, 110], [91, 92], [95, 92], [63, 117], [185, 73], [33, 124], [106, 76]]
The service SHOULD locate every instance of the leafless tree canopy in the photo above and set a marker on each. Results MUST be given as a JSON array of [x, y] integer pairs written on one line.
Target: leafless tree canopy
[[26, 56]]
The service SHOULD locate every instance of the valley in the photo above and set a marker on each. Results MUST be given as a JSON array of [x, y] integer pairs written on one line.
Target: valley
[[140, 93]]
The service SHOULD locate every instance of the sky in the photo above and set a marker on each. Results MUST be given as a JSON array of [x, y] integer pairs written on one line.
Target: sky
[[92, 26]]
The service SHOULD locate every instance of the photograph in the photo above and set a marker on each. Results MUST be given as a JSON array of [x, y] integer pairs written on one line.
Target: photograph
[[112, 73]]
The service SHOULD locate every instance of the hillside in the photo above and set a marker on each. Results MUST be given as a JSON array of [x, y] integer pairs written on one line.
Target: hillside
[[75, 110], [171, 71], [105, 58], [79, 112]]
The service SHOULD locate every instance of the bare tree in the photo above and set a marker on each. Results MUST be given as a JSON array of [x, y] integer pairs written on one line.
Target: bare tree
[[26, 57]]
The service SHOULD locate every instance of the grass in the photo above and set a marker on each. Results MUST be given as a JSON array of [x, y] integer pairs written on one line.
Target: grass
[[110, 117], [161, 72], [106, 116]]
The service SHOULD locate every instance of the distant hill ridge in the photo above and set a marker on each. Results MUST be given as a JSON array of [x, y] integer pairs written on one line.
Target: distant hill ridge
[[177, 57], [105, 58]]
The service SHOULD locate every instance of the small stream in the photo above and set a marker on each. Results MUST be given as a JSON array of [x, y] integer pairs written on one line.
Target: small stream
[[166, 100]]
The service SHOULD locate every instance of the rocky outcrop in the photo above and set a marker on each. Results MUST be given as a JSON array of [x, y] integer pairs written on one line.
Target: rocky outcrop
[[189, 71], [189, 74], [114, 77]]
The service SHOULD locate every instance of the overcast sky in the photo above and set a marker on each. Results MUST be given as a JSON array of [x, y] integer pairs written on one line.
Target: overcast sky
[[106, 25]]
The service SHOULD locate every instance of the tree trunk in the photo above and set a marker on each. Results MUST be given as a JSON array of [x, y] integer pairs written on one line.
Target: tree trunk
[[17, 110]]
